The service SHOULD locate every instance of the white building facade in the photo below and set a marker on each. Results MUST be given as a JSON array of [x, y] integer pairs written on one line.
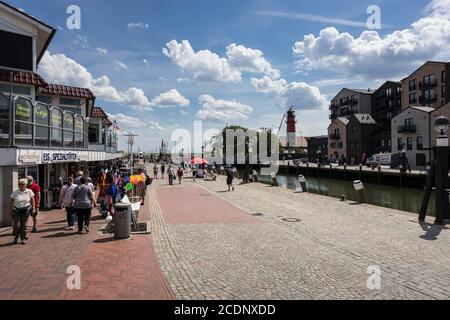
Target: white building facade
[[43, 127]]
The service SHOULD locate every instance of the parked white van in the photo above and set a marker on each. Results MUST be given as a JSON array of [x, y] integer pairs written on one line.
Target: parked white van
[[382, 159]]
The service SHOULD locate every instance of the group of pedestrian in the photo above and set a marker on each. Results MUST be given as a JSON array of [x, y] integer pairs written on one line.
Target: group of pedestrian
[[77, 197]]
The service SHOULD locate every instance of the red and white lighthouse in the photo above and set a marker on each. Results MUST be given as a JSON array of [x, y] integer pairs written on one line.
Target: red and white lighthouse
[[291, 129]]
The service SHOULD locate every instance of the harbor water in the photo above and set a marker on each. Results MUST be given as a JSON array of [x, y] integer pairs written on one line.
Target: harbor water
[[405, 199]]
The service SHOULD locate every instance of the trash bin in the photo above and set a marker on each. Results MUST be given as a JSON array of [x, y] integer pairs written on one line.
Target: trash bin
[[122, 221]]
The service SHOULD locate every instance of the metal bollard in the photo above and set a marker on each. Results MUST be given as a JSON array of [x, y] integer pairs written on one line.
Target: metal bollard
[[303, 186], [359, 187], [274, 180], [255, 176]]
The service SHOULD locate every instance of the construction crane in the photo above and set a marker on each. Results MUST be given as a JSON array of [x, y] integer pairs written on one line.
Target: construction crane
[[281, 124]]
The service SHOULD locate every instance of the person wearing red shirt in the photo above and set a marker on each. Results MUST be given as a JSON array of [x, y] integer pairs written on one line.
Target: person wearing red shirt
[[33, 186]]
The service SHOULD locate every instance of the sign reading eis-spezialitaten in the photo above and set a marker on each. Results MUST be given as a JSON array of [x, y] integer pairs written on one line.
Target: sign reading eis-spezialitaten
[[59, 156]]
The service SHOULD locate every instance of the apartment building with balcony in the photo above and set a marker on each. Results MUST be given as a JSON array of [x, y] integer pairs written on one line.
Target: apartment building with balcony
[[427, 86], [360, 130], [337, 139], [411, 134], [350, 101], [386, 104]]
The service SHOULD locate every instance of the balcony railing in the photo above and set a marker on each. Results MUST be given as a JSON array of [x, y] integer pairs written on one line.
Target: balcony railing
[[29, 124], [335, 136], [426, 85], [24, 123], [346, 112], [429, 99], [349, 102], [411, 128]]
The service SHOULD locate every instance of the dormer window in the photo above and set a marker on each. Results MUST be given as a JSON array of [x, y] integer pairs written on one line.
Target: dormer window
[[19, 53]]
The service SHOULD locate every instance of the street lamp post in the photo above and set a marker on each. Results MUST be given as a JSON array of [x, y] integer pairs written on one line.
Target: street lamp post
[[203, 156], [130, 141], [441, 125]]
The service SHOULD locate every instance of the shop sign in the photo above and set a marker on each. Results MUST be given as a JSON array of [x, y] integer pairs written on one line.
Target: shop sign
[[59, 157], [23, 112], [83, 156], [42, 114], [30, 157]]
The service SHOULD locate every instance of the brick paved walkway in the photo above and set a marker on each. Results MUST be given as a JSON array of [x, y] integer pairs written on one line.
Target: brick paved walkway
[[211, 244], [325, 255], [110, 269]]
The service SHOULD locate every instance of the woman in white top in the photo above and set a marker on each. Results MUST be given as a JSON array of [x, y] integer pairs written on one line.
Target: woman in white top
[[22, 201]]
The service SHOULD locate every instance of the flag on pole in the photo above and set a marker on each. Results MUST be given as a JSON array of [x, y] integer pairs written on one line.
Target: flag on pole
[[116, 126]]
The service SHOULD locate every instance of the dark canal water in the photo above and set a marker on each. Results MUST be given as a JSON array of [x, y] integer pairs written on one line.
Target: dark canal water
[[405, 199]]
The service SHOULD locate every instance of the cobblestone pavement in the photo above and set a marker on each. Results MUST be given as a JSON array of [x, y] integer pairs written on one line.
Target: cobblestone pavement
[[326, 255]]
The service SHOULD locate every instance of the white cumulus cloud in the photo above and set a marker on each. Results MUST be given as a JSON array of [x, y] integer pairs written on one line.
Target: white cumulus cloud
[[60, 69], [171, 98], [208, 66], [222, 110], [250, 60], [126, 121], [374, 56], [298, 94]]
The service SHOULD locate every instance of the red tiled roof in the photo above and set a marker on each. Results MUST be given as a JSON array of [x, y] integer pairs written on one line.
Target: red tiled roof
[[55, 89], [107, 122], [98, 112], [22, 77]]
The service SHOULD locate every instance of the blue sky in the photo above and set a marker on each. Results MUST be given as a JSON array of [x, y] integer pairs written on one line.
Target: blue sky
[[124, 41]]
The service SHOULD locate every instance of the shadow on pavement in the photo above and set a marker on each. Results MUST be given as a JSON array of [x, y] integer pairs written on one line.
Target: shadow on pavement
[[60, 235], [432, 231], [9, 244], [356, 203], [106, 240], [6, 234], [50, 230], [55, 222]]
